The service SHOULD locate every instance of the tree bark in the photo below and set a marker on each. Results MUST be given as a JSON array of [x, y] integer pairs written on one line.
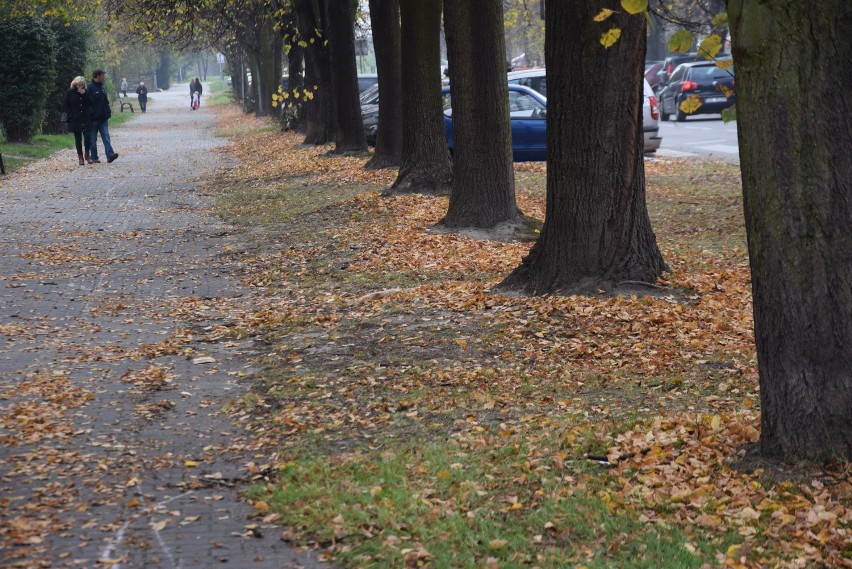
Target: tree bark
[[350, 127], [296, 83], [319, 109], [795, 138], [266, 75], [425, 165], [483, 188], [384, 16], [597, 232]]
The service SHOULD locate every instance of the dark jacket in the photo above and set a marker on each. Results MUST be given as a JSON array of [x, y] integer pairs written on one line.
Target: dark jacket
[[193, 87], [101, 110], [142, 91], [78, 108]]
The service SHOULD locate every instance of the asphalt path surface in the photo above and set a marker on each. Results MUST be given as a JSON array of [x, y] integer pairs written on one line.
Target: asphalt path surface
[[702, 137]]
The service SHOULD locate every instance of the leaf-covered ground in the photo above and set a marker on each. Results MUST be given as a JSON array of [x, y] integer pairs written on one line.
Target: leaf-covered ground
[[421, 419]]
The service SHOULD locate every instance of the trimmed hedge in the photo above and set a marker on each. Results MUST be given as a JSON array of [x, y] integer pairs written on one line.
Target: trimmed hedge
[[27, 65]]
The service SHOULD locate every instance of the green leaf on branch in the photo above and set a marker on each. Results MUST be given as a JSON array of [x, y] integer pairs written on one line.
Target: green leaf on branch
[[710, 46], [634, 6], [610, 36], [720, 20], [681, 41], [729, 114]]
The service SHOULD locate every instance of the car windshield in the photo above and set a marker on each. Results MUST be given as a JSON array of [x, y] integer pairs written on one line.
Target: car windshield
[[710, 73], [521, 105], [370, 96]]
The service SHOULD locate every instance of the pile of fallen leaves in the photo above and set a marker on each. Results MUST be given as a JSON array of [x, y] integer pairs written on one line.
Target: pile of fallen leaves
[[385, 332]]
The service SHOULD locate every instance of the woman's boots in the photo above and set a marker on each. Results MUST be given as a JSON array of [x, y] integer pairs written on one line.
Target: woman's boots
[[82, 162], [86, 156]]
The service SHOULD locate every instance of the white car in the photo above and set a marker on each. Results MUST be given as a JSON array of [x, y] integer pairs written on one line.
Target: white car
[[651, 120], [536, 79]]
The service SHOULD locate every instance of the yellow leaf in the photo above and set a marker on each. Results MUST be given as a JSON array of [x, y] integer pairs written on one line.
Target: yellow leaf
[[609, 37], [375, 491], [681, 41], [496, 544], [634, 6], [605, 13], [261, 506], [715, 422], [724, 63], [690, 104], [190, 463], [710, 46]]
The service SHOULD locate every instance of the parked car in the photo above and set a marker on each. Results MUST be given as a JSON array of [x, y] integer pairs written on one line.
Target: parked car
[[652, 74], [713, 85], [367, 80], [650, 120], [528, 114], [370, 96], [671, 63], [535, 79]]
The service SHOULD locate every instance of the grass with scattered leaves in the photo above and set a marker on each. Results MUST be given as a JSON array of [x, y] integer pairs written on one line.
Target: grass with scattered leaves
[[419, 418]]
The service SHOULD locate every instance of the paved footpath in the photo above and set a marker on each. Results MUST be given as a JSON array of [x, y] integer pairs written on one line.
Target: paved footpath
[[114, 287]]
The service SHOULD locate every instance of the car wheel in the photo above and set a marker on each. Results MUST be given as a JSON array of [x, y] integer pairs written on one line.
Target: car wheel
[[664, 116]]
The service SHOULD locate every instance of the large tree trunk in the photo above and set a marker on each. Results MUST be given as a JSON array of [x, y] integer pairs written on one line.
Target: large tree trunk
[[319, 111], [384, 16], [795, 136], [232, 55], [425, 165], [296, 83], [350, 126], [266, 75], [483, 192], [597, 232]]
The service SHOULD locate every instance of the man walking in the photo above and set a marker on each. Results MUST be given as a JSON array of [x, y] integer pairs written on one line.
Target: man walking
[[142, 93], [101, 112]]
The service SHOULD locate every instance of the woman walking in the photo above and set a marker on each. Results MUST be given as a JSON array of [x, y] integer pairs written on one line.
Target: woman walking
[[78, 114], [142, 93]]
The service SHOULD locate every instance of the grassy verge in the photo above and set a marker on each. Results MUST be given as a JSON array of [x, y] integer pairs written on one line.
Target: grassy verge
[[16, 155], [417, 418], [220, 93]]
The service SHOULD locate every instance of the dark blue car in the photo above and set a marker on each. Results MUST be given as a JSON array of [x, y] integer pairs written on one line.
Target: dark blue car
[[528, 113]]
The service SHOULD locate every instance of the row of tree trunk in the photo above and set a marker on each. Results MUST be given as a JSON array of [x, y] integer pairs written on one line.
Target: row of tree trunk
[[796, 153]]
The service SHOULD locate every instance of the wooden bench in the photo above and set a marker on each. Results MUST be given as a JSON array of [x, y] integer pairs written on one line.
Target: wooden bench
[[123, 102]]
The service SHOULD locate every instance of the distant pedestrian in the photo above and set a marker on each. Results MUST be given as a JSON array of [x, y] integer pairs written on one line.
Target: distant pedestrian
[[195, 93], [142, 93], [101, 112], [124, 86], [78, 114]]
